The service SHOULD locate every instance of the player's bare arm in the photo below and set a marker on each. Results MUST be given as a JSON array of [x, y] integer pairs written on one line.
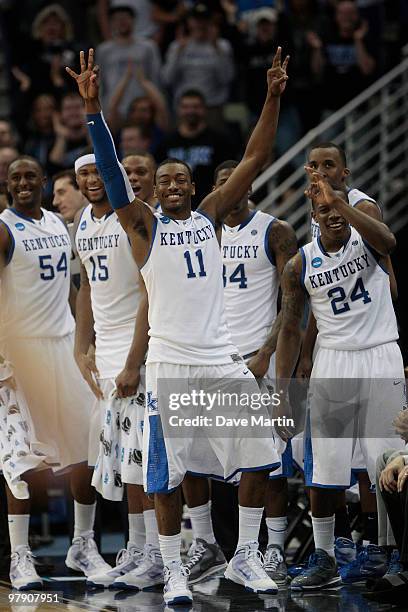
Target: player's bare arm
[[375, 232], [283, 244], [5, 246], [221, 201], [289, 339], [127, 381], [135, 217], [371, 209]]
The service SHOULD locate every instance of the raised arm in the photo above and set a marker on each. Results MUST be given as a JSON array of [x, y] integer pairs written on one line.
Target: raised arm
[[135, 217], [221, 201], [128, 380], [283, 244], [374, 231], [289, 339]]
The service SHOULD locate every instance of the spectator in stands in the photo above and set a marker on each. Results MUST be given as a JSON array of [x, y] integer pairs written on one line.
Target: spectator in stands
[[42, 69], [303, 18], [134, 138], [148, 111], [257, 57], [113, 57], [40, 134], [143, 26], [7, 155], [348, 56], [67, 197], [167, 15], [200, 59], [7, 136], [196, 143], [71, 134]]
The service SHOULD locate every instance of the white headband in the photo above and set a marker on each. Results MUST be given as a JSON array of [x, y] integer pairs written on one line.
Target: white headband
[[84, 161]]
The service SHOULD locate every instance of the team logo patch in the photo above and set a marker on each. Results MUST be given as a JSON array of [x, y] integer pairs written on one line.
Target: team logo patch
[[355, 242], [317, 262], [20, 226], [83, 225], [254, 232], [165, 219]]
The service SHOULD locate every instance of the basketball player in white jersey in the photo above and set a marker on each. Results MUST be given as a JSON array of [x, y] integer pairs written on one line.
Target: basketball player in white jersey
[[179, 257], [140, 168], [108, 301], [330, 160], [255, 248], [351, 301], [37, 337]]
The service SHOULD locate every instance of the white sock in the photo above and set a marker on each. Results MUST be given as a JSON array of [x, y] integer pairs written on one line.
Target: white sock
[[249, 523], [18, 529], [277, 530], [137, 533], [323, 532], [84, 518], [170, 548], [152, 534], [201, 523]]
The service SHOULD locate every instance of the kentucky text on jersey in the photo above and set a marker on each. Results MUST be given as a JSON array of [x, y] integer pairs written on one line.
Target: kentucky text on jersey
[[344, 271], [46, 242], [187, 236], [240, 251], [97, 242]]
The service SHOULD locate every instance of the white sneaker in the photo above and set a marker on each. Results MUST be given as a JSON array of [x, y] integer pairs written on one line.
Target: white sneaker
[[246, 568], [175, 589], [147, 574], [83, 556], [126, 560], [23, 575]]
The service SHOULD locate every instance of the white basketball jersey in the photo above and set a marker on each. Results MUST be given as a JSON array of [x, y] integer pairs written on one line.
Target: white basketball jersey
[[35, 283], [183, 277], [355, 196], [105, 252], [75, 263], [350, 295], [251, 282]]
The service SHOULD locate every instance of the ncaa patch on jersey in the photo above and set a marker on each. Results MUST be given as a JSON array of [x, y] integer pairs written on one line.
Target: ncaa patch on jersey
[[165, 219], [83, 225], [317, 262], [254, 232], [20, 226]]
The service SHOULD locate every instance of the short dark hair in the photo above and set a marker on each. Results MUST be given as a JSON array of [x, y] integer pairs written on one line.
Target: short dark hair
[[225, 165], [28, 158], [122, 8], [193, 93], [141, 153], [331, 145], [174, 160], [69, 174]]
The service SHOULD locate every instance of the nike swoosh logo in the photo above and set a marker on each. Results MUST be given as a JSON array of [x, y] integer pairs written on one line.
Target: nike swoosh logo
[[398, 382], [246, 372], [91, 122]]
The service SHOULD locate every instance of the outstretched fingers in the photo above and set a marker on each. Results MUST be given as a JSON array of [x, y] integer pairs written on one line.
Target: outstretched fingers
[[82, 62], [277, 58], [91, 58], [285, 63], [72, 73]]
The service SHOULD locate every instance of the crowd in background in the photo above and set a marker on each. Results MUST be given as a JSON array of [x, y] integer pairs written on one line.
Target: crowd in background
[[185, 79]]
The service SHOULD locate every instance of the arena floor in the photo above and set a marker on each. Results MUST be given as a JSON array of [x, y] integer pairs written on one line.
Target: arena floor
[[214, 595]]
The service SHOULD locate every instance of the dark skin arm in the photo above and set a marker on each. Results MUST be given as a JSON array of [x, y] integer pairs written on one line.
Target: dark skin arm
[[136, 218], [290, 336], [283, 243], [376, 233], [128, 380], [219, 203]]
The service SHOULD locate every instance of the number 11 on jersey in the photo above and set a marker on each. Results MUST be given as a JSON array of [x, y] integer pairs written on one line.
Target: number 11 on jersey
[[190, 268]]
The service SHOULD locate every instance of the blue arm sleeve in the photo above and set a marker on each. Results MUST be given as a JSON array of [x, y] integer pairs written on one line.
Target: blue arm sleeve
[[118, 188]]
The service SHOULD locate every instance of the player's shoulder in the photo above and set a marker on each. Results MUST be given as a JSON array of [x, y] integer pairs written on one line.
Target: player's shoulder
[[355, 196]]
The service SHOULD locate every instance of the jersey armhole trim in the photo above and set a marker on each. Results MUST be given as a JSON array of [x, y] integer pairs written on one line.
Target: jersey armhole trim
[[151, 243], [207, 216], [13, 242], [376, 256], [269, 254]]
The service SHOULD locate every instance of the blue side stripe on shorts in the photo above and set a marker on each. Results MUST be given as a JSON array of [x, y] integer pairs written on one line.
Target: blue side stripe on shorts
[[287, 464], [157, 465]]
